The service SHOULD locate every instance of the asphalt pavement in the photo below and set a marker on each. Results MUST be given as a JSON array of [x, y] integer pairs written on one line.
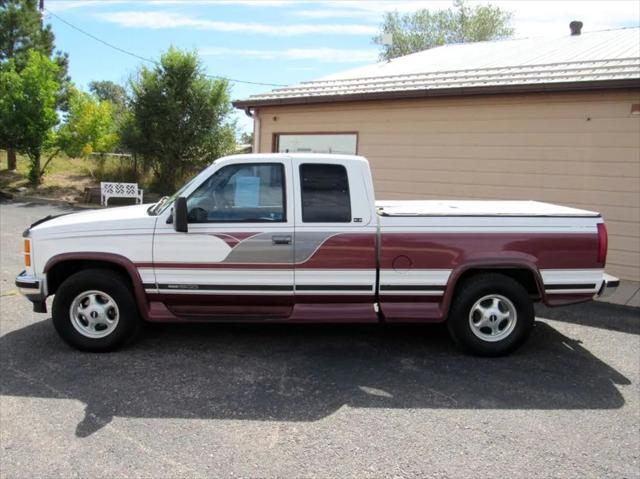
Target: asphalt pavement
[[314, 401]]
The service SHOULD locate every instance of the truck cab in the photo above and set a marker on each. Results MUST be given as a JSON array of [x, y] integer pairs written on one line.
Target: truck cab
[[262, 234]]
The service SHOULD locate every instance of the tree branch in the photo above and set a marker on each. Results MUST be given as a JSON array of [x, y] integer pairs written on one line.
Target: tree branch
[[46, 163]]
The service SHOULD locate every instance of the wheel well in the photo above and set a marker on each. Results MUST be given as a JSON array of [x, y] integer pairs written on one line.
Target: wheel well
[[61, 271], [523, 276]]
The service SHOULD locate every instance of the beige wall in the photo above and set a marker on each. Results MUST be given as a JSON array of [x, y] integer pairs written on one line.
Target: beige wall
[[580, 149]]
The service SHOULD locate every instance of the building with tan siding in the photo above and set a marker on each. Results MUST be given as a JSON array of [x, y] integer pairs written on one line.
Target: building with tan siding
[[552, 119]]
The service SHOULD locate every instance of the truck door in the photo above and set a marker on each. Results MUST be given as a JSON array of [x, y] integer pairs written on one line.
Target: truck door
[[236, 260], [335, 241]]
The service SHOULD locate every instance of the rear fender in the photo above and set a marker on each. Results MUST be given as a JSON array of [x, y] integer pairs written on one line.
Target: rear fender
[[493, 264]]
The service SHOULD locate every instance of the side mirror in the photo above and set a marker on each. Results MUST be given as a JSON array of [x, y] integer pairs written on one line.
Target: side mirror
[[180, 215]]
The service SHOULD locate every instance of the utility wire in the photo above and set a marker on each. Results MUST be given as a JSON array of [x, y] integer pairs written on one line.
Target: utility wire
[[149, 60]]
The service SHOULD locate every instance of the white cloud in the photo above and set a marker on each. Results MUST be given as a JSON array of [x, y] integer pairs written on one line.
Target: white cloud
[[337, 13], [248, 3], [327, 55], [62, 5], [163, 19], [380, 7]]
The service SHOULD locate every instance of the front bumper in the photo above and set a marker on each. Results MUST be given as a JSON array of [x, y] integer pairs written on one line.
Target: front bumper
[[33, 289], [609, 285]]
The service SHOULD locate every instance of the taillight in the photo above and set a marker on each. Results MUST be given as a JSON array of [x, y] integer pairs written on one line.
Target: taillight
[[27, 253], [603, 243]]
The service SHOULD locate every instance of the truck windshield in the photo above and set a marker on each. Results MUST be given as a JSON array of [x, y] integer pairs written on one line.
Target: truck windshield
[[165, 201]]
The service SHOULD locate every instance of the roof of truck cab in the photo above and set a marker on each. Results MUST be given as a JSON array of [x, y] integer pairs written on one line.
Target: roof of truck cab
[[477, 208], [303, 156]]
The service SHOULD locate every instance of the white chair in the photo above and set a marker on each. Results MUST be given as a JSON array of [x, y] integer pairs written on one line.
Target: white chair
[[119, 190]]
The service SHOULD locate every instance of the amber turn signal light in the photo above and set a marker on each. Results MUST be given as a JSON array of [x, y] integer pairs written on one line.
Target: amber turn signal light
[[27, 253]]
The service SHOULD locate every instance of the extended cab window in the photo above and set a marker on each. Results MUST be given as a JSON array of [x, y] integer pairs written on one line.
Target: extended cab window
[[325, 194], [240, 193]]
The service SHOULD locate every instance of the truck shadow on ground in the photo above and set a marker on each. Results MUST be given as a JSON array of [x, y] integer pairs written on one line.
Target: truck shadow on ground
[[596, 314], [300, 373]]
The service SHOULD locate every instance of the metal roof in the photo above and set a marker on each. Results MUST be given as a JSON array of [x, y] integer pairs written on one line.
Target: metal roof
[[601, 59]]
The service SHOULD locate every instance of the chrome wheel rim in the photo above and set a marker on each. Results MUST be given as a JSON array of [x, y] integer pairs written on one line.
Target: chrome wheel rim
[[94, 314], [493, 318]]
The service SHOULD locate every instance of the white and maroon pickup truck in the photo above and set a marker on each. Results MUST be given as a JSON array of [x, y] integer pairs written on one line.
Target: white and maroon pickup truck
[[300, 238]]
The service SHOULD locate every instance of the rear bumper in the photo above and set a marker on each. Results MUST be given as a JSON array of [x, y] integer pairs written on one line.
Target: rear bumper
[[33, 289], [609, 285]]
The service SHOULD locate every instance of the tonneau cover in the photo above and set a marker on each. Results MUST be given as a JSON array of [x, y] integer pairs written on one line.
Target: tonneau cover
[[477, 208]]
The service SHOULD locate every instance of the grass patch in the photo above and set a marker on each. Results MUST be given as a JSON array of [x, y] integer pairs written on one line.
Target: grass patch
[[66, 178]]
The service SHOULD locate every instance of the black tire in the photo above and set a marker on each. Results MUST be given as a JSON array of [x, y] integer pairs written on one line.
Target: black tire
[[114, 285], [473, 290]]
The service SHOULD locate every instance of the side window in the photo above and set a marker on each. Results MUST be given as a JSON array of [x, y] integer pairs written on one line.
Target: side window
[[240, 193], [325, 194]]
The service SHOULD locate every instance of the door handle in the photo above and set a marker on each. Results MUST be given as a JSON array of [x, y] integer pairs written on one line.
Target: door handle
[[281, 240]]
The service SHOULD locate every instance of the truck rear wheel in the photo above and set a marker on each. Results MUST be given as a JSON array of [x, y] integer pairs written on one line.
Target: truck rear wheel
[[94, 310], [491, 315]]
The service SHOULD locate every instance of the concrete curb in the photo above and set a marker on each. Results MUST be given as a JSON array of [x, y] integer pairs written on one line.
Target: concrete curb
[[627, 294]]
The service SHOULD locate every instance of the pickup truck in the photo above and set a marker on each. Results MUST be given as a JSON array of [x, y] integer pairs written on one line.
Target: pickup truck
[[300, 238]]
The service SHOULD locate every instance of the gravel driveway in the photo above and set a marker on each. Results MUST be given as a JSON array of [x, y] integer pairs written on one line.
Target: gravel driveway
[[315, 401]]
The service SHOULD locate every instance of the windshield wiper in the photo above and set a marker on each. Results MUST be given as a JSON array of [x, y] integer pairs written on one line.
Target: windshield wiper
[[153, 209]]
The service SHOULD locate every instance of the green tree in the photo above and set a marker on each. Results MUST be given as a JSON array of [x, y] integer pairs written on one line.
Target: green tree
[[110, 91], [179, 118], [90, 126], [21, 31], [246, 138], [424, 29], [28, 108]]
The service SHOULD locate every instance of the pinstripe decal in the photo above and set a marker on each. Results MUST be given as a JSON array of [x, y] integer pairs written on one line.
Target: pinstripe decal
[[588, 286], [325, 287], [226, 287], [410, 287]]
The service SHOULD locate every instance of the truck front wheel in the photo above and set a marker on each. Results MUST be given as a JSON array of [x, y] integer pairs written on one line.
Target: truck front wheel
[[94, 310], [491, 315]]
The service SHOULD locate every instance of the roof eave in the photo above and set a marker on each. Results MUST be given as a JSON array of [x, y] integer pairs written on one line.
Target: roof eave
[[439, 92]]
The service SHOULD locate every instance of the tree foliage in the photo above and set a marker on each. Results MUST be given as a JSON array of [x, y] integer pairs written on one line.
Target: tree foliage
[[110, 91], [246, 138], [21, 32], [424, 29], [89, 128], [28, 108], [179, 118]]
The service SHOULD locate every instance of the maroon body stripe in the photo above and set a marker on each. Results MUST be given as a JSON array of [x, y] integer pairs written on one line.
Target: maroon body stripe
[[230, 240], [449, 250], [233, 239], [567, 298], [344, 251]]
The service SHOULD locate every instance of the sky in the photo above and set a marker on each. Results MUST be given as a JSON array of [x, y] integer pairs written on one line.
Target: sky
[[278, 42]]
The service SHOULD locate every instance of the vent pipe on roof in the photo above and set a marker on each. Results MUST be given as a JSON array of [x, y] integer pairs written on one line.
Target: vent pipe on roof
[[576, 27]]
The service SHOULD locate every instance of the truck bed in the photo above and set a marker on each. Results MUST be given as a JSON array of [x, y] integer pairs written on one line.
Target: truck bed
[[477, 208]]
